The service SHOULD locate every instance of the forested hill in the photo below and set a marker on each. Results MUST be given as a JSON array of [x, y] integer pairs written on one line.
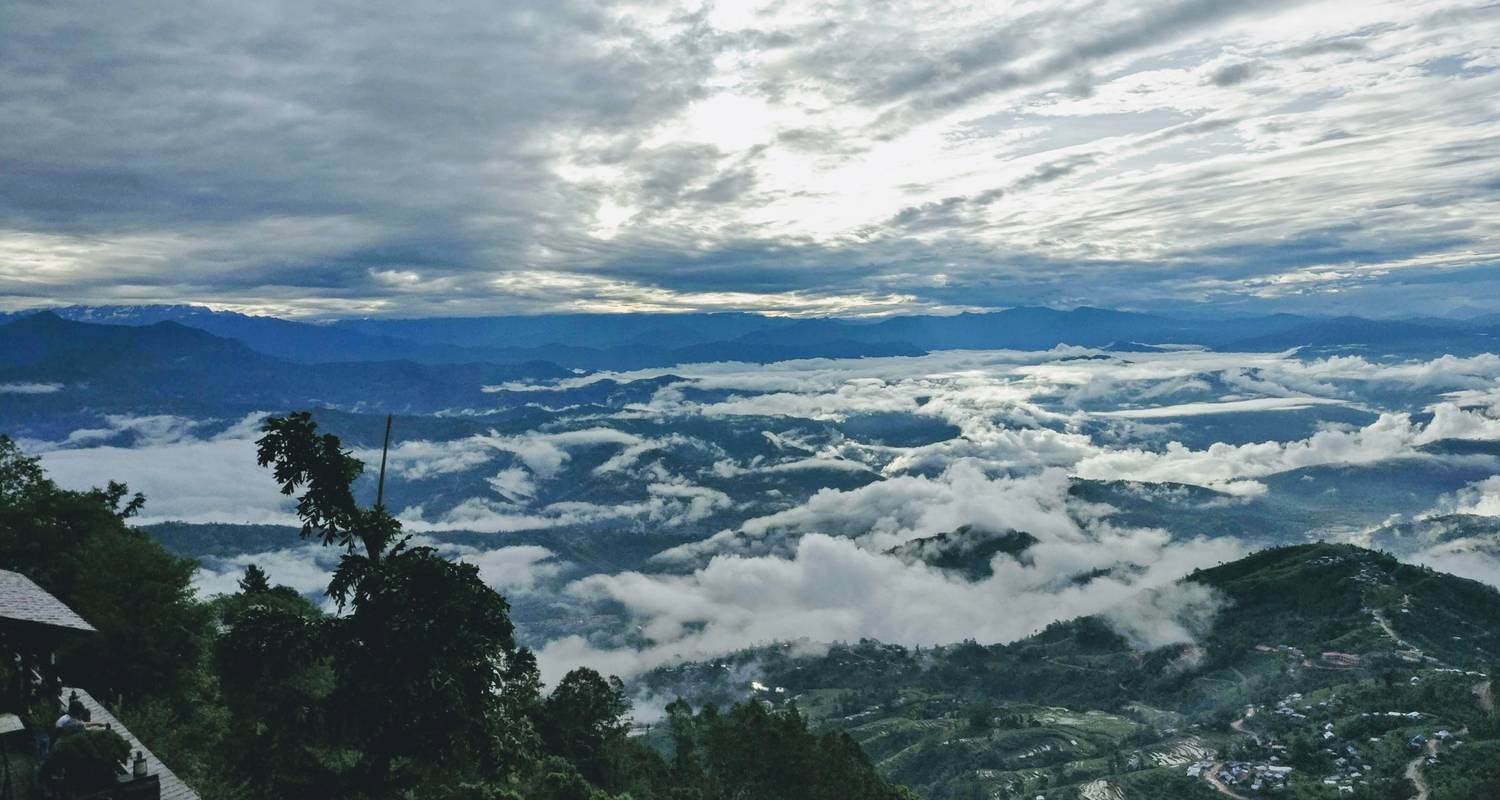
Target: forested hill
[[1059, 711]]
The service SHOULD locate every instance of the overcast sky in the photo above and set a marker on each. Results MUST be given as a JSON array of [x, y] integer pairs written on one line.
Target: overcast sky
[[802, 156]]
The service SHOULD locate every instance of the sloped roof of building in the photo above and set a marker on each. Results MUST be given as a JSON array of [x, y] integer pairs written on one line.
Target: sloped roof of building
[[21, 599], [172, 787]]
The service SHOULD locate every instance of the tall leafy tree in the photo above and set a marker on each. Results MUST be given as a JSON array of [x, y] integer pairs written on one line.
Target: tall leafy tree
[[583, 719], [255, 581], [428, 685]]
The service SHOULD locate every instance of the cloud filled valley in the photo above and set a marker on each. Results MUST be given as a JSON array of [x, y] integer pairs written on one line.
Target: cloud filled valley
[[691, 511]]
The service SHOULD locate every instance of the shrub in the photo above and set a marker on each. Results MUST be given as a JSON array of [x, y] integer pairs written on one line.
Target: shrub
[[87, 761]]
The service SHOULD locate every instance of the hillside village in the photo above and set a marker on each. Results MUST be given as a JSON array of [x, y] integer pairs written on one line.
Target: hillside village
[[1383, 697]]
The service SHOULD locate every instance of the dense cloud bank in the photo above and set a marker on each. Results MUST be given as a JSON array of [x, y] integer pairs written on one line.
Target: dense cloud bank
[[1461, 534], [1482, 498], [784, 496], [836, 589]]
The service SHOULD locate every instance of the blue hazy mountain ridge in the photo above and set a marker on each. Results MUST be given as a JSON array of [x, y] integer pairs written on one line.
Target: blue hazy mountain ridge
[[1017, 328], [166, 367], [598, 331], [634, 341], [584, 341], [1021, 328], [1391, 336], [294, 341]]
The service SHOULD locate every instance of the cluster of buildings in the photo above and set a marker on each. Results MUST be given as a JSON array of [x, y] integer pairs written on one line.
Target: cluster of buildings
[[1347, 764], [1256, 777], [1402, 714], [1284, 649], [767, 695], [1295, 658], [1341, 660], [1470, 673], [1286, 707]]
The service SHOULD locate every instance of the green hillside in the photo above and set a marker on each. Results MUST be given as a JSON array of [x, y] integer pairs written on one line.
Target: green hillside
[[1074, 711]]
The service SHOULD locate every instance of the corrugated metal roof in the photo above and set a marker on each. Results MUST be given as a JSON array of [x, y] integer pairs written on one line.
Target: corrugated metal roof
[[21, 599], [172, 788]]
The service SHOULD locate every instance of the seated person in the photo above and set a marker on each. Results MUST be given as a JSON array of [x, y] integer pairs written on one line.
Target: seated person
[[78, 718]]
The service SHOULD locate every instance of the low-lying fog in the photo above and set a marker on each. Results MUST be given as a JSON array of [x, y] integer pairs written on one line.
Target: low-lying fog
[[639, 518]]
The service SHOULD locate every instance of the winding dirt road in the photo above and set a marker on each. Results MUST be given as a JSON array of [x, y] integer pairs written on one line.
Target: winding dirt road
[[1239, 724], [1212, 776], [1414, 771]]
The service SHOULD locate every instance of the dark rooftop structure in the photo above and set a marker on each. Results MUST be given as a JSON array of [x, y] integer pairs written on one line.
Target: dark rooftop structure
[[22, 601], [32, 624]]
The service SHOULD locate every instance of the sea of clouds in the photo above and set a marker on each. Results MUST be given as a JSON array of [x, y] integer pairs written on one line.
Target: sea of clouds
[[788, 501]]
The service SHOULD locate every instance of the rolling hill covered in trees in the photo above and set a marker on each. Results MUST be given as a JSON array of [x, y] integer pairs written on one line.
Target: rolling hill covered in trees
[[1314, 649]]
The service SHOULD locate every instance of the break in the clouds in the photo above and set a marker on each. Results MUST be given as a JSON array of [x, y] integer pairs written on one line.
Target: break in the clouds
[[836, 157]]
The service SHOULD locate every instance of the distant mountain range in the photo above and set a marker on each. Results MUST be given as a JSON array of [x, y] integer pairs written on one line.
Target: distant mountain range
[[633, 341], [169, 368], [579, 341], [69, 366]]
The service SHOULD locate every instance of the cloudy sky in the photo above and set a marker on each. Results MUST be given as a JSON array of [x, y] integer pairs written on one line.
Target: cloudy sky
[[817, 157]]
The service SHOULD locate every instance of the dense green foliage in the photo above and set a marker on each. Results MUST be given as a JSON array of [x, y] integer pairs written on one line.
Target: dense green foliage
[[151, 652], [87, 761], [749, 752], [416, 689], [1467, 772]]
